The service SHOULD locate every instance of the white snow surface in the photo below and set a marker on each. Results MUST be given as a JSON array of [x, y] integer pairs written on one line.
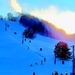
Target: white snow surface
[[16, 58]]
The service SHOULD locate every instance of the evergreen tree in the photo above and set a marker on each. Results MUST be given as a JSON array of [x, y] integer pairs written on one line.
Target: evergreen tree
[[28, 33], [62, 51], [10, 16]]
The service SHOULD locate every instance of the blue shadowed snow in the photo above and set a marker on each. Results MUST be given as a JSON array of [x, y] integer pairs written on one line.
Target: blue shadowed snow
[[16, 58]]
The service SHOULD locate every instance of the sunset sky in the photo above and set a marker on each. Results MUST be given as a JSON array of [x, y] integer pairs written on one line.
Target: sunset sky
[[59, 12]]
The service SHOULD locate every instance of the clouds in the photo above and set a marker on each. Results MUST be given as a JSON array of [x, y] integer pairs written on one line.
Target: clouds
[[61, 18], [16, 6]]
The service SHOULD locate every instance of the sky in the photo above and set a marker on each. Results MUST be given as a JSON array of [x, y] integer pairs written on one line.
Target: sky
[[61, 13]]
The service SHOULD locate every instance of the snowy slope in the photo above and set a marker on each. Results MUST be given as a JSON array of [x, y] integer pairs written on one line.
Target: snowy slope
[[16, 58]]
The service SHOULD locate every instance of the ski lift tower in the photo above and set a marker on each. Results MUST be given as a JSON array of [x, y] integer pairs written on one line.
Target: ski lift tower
[[73, 59]]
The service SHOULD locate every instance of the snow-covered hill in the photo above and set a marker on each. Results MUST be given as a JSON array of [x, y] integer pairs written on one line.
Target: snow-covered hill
[[16, 58]]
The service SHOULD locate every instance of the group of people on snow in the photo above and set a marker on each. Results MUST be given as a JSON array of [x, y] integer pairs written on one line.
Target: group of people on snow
[[56, 73]]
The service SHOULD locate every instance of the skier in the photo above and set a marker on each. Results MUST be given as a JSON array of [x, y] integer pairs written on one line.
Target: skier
[[44, 59]]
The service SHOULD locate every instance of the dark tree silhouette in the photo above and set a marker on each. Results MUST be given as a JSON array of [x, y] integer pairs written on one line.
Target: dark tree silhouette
[[62, 51], [28, 33], [33, 23]]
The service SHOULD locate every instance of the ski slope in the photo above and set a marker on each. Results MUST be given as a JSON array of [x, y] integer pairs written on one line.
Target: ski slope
[[16, 58]]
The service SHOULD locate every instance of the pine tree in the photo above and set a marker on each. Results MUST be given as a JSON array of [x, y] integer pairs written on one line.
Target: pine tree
[[28, 33], [62, 51]]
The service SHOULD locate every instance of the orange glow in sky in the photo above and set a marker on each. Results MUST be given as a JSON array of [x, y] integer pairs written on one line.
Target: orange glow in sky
[[61, 19]]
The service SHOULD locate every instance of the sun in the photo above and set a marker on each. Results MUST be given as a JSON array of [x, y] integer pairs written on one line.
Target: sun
[[67, 26], [65, 21], [68, 29]]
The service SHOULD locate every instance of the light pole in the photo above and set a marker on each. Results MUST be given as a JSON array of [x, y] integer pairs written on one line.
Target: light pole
[[73, 60]]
